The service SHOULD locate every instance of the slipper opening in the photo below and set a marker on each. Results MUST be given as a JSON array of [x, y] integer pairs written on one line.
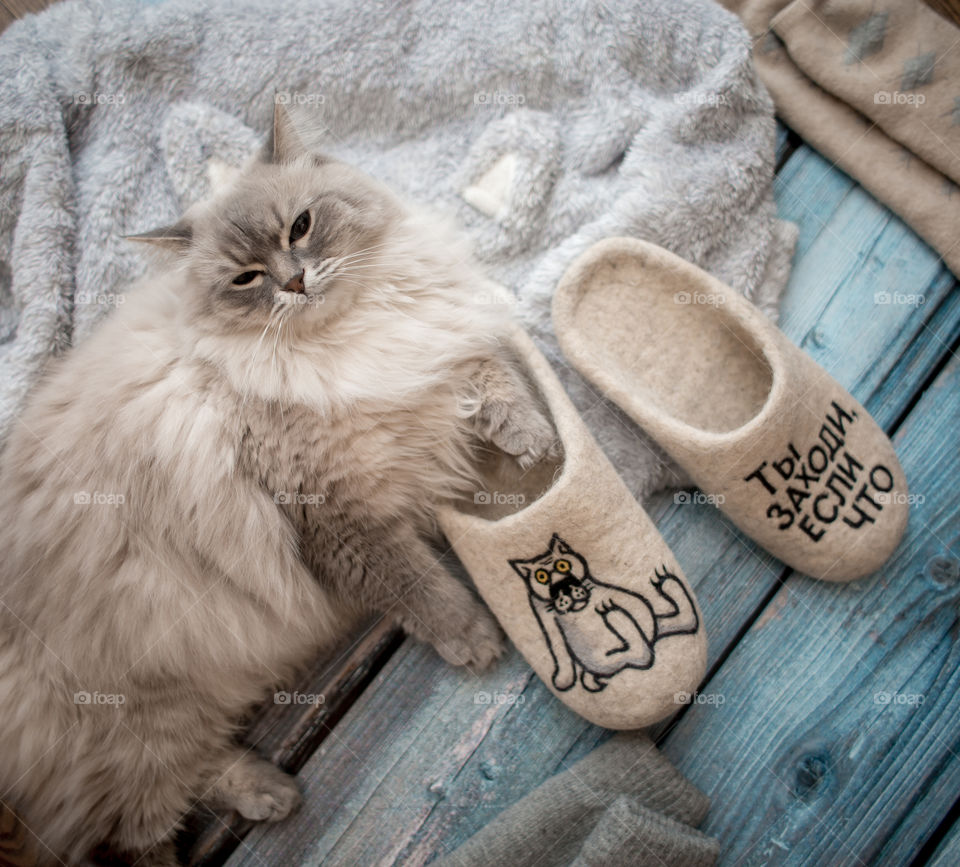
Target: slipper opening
[[504, 487], [671, 344]]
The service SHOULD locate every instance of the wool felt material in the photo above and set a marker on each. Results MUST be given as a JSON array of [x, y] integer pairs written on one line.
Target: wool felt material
[[871, 86], [579, 577], [540, 127], [630, 835], [784, 449], [895, 67], [622, 805]]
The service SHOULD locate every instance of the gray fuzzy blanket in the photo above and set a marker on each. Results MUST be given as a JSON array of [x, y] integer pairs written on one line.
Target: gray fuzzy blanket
[[542, 126]]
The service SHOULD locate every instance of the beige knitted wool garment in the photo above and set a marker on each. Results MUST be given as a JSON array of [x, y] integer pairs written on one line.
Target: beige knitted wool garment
[[870, 85], [784, 450]]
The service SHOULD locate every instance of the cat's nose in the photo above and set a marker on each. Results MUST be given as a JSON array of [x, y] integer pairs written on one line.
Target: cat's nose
[[295, 283]]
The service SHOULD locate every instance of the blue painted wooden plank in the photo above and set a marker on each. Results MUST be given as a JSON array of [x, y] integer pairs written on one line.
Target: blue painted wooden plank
[[948, 852], [396, 752], [910, 838], [840, 704], [867, 263], [390, 816], [882, 303], [939, 331], [808, 192]]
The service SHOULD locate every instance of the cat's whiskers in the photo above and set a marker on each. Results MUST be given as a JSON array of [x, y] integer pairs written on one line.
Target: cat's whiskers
[[245, 391], [365, 251], [355, 280], [378, 289], [385, 293], [358, 258], [275, 367], [279, 313], [358, 271], [364, 266]]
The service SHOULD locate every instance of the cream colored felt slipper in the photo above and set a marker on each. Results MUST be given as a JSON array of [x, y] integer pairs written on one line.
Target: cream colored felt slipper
[[579, 577], [789, 455]]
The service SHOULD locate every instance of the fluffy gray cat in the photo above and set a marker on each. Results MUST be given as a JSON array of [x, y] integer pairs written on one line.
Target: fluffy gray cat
[[244, 457]]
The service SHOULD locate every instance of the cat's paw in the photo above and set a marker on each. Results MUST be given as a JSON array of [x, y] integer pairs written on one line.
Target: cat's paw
[[477, 645], [258, 790], [271, 799], [525, 433]]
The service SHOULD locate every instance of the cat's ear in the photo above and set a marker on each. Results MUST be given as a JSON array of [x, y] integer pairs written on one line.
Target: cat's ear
[[558, 546], [522, 567], [176, 237], [285, 142], [221, 175]]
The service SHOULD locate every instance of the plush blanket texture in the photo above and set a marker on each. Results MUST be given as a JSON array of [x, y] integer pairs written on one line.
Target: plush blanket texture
[[541, 127]]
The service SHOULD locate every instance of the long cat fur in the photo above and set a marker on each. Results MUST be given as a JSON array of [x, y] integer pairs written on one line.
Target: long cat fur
[[279, 455]]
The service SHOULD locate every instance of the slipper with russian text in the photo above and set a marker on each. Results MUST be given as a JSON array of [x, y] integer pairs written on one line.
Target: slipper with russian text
[[784, 449]]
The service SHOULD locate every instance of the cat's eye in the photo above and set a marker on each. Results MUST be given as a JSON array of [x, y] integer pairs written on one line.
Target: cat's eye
[[300, 227], [563, 565], [542, 576], [246, 278]]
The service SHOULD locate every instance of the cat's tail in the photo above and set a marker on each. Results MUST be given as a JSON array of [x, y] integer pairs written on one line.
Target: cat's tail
[[683, 619]]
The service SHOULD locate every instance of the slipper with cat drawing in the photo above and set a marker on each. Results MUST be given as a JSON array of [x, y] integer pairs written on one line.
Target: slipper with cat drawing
[[790, 457], [578, 576]]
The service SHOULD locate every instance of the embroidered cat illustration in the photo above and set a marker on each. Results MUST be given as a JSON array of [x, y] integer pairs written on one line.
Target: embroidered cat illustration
[[597, 629]]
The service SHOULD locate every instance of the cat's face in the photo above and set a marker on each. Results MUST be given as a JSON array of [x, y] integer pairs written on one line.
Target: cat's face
[[294, 234], [557, 576]]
